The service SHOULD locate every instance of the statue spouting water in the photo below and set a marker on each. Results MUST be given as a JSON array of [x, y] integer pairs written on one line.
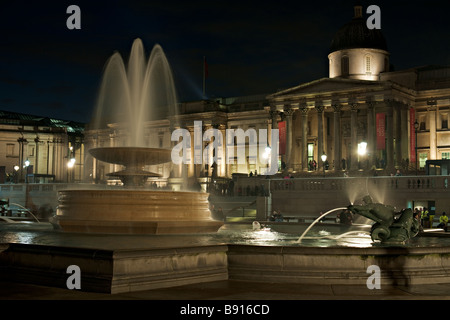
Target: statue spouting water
[[390, 226]]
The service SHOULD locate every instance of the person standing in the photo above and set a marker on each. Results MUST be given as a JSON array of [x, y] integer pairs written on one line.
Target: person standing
[[443, 221], [424, 217]]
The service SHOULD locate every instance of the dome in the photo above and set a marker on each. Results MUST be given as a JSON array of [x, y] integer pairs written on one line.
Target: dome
[[355, 34]]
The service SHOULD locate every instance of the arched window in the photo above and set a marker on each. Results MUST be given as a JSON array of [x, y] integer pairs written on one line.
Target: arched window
[[368, 64], [344, 66]]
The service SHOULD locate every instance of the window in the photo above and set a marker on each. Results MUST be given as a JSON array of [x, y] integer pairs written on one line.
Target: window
[[310, 153], [345, 66], [445, 155], [10, 149], [368, 64], [422, 126], [161, 139], [444, 120], [423, 157]]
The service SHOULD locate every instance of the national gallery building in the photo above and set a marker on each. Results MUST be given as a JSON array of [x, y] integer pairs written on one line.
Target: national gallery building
[[364, 116]]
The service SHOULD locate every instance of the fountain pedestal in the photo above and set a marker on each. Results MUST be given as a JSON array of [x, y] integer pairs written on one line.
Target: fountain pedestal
[[135, 212], [133, 209]]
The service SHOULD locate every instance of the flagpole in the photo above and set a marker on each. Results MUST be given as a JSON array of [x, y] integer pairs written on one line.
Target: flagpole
[[204, 77]]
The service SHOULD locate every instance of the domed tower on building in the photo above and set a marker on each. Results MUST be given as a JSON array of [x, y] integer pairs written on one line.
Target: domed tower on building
[[357, 52]]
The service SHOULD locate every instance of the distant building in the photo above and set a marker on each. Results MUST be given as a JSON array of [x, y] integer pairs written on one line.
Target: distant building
[[40, 149], [363, 116]]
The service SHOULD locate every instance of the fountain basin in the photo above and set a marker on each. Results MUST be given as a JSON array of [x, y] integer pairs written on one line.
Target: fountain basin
[[400, 266], [134, 159], [129, 263], [132, 156], [135, 211]]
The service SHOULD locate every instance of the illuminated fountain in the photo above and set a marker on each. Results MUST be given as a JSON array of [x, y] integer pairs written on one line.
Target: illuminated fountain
[[130, 97], [131, 258]]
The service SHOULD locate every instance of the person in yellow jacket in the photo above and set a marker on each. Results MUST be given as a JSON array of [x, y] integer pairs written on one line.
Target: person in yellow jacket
[[443, 220], [431, 216], [424, 217]]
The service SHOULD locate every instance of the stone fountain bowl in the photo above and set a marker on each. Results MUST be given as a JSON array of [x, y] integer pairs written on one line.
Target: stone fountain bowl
[[132, 156]]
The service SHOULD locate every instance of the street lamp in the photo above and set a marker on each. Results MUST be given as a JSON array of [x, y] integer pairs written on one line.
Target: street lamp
[[266, 157], [416, 128], [27, 164], [70, 165], [16, 174], [362, 151], [324, 158]]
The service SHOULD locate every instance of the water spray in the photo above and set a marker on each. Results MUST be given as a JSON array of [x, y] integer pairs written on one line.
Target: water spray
[[18, 205], [317, 220]]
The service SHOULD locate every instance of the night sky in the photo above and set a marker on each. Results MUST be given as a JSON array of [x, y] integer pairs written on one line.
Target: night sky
[[251, 47]]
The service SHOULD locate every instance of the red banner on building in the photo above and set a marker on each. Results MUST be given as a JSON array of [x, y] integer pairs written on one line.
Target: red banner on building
[[381, 129], [412, 140], [282, 136]]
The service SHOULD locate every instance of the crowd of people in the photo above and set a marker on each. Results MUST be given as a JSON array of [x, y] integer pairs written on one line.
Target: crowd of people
[[426, 218]]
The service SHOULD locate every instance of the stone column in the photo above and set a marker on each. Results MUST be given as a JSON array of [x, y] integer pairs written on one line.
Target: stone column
[[354, 136], [222, 167], [404, 121], [273, 114], [389, 137], [337, 135], [398, 134], [370, 132], [304, 114], [288, 112], [432, 106], [320, 145], [37, 141]]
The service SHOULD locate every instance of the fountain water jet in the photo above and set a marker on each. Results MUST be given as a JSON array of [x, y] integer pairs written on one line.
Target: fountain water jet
[[128, 99], [317, 220]]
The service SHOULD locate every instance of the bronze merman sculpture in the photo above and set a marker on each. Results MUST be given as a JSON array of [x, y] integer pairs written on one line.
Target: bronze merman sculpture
[[390, 227]]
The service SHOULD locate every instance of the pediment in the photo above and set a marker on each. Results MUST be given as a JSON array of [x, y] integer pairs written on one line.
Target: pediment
[[329, 86]]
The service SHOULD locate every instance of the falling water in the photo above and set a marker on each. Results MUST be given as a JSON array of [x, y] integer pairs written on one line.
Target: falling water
[[318, 219], [133, 95], [22, 207]]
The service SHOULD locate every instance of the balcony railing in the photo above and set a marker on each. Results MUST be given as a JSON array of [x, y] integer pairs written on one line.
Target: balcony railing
[[405, 183]]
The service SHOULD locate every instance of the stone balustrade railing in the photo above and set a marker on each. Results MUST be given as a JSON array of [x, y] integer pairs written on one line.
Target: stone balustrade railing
[[404, 183], [400, 183]]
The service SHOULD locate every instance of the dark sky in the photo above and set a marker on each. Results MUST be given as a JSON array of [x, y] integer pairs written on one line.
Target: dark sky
[[251, 47]]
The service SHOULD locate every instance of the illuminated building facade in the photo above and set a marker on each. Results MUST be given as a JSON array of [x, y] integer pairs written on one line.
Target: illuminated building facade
[[363, 116]]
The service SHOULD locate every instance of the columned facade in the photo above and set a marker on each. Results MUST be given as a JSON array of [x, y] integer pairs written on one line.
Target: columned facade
[[362, 117], [356, 130]]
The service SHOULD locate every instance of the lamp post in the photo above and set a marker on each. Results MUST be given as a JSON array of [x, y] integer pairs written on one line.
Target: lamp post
[[70, 165], [362, 151], [267, 156], [27, 164], [324, 158], [416, 127], [16, 174]]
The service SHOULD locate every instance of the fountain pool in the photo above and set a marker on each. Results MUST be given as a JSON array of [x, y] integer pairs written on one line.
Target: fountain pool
[[114, 263]]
